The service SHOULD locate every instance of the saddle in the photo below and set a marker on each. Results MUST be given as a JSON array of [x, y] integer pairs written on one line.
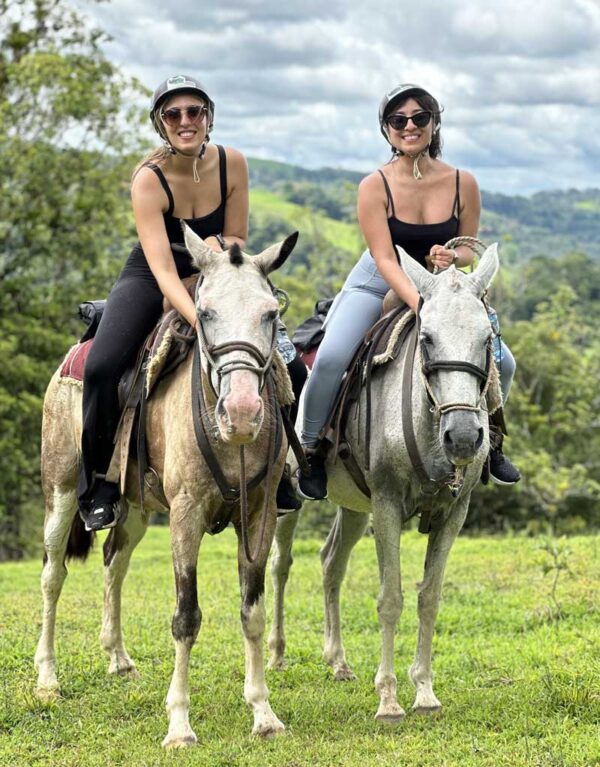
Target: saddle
[[381, 344]]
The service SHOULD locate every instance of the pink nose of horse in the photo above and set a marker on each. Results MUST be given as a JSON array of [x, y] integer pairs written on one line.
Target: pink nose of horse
[[240, 413]]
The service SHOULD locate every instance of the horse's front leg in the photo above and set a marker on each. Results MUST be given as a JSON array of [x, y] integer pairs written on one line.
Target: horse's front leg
[[60, 509], [118, 547], [281, 562], [438, 547], [387, 526], [347, 529], [186, 534], [252, 613]]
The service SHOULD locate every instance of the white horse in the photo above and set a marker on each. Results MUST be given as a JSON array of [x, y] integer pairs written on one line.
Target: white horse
[[237, 315], [450, 425]]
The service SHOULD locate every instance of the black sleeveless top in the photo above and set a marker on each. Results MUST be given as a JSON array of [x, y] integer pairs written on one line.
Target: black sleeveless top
[[418, 239], [204, 226]]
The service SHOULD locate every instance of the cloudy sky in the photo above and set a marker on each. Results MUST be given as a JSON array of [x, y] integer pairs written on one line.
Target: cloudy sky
[[300, 80]]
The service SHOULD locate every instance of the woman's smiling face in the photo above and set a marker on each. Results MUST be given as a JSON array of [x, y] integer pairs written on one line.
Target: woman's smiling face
[[185, 131], [410, 139]]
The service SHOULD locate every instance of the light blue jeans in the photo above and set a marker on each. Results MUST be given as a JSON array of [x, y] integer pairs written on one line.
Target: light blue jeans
[[355, 309]]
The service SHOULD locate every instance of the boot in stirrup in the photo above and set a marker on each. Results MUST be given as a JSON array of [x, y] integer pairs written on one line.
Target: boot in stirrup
[[499, 467]]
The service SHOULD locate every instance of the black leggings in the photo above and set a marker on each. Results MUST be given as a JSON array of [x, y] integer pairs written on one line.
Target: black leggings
[[132, 310]]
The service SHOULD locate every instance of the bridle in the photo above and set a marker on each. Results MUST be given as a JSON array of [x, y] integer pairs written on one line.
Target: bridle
[[429, 366], [232, 495], [212, 351]]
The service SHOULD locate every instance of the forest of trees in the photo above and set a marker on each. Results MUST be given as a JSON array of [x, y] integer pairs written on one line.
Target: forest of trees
[[66, 227]]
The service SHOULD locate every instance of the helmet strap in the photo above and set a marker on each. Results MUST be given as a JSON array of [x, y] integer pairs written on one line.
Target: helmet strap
[[417, 175], [201, 154]]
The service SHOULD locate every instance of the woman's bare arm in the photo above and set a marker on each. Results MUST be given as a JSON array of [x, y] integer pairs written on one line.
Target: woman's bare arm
[[235, 228], [148, 198], [372, 218]]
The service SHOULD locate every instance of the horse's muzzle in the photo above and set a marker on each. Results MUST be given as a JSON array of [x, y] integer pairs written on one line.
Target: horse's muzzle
[[461, 435], [239, 417]]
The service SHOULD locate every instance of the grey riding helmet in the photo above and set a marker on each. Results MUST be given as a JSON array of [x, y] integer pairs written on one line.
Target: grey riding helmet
[[179, 84], [395, 96]]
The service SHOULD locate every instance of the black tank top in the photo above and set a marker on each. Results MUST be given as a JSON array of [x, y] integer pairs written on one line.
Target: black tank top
[[204, 226], [417, 239]]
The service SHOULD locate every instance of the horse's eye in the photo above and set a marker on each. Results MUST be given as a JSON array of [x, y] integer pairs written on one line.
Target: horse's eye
[[271, 316], [426, 339], [206, 315]]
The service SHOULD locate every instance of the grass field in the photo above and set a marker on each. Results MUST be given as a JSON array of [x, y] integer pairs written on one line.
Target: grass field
[[518, 686]]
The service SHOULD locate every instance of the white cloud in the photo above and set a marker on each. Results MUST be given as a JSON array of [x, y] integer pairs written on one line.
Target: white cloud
[[301, 81]]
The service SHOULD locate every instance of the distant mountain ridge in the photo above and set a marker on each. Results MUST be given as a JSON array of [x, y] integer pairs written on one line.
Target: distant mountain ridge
[[547, 223]]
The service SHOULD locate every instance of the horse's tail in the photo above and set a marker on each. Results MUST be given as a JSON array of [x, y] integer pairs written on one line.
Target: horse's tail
[[80, 541]]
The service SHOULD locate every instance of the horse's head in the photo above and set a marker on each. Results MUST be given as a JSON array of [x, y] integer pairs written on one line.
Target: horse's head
[[455, 331], [237, 320]]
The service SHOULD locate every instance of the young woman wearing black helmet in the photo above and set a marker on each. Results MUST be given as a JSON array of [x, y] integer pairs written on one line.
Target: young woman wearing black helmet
[[415, 201], [189, 179]]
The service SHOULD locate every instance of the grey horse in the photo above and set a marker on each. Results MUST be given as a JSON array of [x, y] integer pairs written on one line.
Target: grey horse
[[452, 435]]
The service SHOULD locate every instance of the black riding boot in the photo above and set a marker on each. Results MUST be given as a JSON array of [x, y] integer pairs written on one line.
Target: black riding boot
[[104, 510], [314, 486], [287, 500], [499, 468]]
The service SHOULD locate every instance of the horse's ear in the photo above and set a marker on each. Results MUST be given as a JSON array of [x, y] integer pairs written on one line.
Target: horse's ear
[[202, 255], [275, 256], [420, 277], [486, 270]]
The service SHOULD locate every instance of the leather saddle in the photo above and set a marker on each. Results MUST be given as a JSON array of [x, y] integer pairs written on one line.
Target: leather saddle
[[375, 346]]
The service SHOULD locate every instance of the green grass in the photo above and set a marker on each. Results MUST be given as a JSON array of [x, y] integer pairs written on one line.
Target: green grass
[[518, 688]]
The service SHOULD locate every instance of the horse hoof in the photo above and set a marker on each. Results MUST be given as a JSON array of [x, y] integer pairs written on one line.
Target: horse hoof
[[270, 729], [426, 710], [48, 694], [129, 671], [277, 664], [344, 674], [179, 741], [390, 715]]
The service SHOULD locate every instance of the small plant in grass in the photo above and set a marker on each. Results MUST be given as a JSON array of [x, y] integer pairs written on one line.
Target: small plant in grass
[[555, 562]]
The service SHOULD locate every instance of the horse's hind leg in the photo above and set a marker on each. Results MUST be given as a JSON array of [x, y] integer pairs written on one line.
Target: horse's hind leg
[[281, 562], [118, 547], [252, 613], [348, 528], [438, 548], [60, 509]]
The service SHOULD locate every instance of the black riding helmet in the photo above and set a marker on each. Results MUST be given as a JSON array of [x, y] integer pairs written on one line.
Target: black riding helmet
[[398, 94], [179, 84]]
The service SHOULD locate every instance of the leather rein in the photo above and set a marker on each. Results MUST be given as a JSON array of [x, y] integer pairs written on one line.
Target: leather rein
[[231, 495], [453, 481]]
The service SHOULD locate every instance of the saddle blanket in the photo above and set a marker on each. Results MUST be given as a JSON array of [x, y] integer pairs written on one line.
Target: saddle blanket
[[74, 363]]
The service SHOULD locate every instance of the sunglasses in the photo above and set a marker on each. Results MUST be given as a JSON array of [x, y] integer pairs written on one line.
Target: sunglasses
[[399, 122], [172, 116]]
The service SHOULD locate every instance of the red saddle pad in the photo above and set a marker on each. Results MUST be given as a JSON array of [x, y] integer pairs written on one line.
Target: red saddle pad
[[74, 362]]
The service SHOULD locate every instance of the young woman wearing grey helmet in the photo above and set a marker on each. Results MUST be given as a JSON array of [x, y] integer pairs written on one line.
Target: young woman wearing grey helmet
[[186, 179], [415, 201]]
